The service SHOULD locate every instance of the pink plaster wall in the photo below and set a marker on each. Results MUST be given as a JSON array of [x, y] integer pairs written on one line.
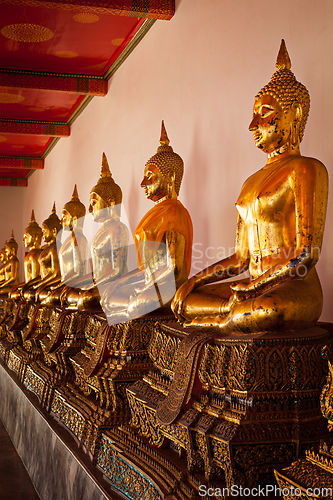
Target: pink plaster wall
[[199, 72], [12, 202]]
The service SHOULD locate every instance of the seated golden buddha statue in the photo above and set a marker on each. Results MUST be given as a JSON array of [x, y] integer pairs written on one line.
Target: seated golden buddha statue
[[3, 260], [163, 242], [11, 267], [108, 248], [32, 239], [73, 252], [281, 218], [38, 288]]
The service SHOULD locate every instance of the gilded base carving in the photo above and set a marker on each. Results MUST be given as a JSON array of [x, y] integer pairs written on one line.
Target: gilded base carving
[[313, 477], [15, 364], [111, 359], [53, 369], [141, 472], [251, 405], [12, 316], [9, 310], [304, 480]]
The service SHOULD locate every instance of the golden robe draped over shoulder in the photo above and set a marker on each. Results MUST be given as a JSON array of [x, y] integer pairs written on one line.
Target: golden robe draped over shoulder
[[169, 215]]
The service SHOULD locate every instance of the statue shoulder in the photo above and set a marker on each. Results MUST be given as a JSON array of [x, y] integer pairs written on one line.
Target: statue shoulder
[[116, 230], [307, 165], [81, 239], [34, 253], [48, 249]]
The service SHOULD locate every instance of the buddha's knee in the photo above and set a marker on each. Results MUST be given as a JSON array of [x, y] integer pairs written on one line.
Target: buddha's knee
[[53, 298], [88, 299], [71, 297], [270, 312], [15, 295], [42, 295]]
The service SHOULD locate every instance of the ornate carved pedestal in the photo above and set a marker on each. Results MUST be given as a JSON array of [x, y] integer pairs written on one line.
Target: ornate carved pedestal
[[307, 479], [313, 477], [12, 319], [65, 336], [113, 358], [7, 313], [140, 472], [235, 406], [38, 324]]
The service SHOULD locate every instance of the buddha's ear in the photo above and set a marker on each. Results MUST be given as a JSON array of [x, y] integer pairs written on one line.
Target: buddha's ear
[[297, 111], [295, 125], [172, 185], [172, 177]]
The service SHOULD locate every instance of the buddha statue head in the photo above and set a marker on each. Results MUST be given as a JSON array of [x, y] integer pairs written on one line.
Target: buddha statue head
[[163, 172], [11, 246], [106, 196], [281, 109], [3, 256], [51, 226], [73, 212], [33, 233]]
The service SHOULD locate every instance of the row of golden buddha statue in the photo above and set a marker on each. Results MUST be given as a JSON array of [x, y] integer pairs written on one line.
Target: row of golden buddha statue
[[227, 373]]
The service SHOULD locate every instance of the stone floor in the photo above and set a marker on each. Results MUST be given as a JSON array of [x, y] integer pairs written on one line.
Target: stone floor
[[15, 483]]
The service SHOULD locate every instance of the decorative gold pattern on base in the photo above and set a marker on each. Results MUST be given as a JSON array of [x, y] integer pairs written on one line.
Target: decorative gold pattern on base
[[313, 477], [112, 358], [251, 404], [244, 400], [141, 472]]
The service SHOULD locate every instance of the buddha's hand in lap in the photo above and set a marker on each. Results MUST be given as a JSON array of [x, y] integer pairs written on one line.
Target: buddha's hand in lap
[[183, 291], [240, 293]]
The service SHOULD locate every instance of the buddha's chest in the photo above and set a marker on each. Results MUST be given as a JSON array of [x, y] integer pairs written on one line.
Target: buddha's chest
[[102, 252], [45, 259], [266, 198]]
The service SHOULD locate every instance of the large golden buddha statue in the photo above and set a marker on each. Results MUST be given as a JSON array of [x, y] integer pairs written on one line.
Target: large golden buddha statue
[[3, 260], [32, 238], [73, 252], [108, 248], [281, 218], [11, 267], [38, 288], [163, 242]]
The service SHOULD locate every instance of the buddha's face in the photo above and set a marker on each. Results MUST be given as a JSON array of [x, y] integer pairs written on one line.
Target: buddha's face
[[27, 240], [270, 125], [47, 234], [154, 183], [66, 219], [98, 208]]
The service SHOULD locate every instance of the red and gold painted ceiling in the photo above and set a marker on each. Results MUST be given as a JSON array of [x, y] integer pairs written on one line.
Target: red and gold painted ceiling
[[54, 58]]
